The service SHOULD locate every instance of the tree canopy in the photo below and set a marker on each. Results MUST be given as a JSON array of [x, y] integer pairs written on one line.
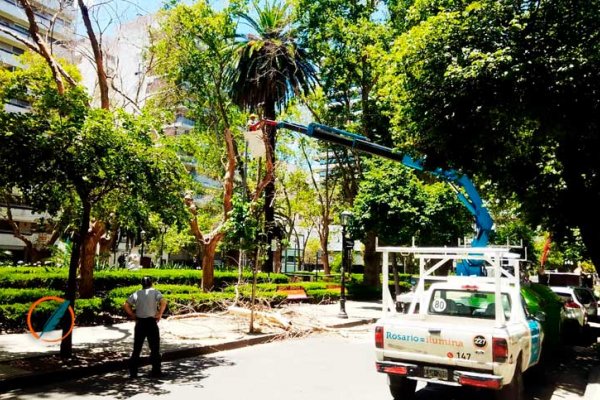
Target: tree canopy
[[507, 91], [62, 149], [400, 206]]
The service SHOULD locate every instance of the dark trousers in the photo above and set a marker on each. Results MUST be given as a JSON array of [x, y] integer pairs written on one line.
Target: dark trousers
[[145, 328]]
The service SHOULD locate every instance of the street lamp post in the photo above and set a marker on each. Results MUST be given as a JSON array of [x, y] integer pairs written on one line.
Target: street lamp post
[[163, 230], [300, 247], [143, 236], [317, 265], [346, 216]]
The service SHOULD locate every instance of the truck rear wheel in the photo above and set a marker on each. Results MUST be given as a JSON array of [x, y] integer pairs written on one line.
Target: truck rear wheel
[[402, 388], [514, 390]]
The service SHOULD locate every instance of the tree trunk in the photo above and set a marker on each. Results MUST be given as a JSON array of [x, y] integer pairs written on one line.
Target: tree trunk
[[43, 50], [324, 238], [66, 345], [208, 245], [269, 207], [107, 242], [31, 253], [371, 259], [277, 259], [208, 262], [88, 259], [325, 262]]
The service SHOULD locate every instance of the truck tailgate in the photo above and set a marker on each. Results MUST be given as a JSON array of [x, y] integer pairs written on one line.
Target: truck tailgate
[[440, 340]]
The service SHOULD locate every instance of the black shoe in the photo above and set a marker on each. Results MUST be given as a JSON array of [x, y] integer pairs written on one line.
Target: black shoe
[[156, 374], [133, 375]]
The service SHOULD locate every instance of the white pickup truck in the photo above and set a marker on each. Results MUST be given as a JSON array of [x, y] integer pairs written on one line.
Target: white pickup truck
[[459, 330]]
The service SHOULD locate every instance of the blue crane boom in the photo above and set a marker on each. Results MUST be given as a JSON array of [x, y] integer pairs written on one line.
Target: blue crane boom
[[460, 183]]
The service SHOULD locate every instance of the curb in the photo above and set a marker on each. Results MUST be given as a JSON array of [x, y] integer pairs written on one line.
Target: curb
[[592, 390], [353, 323], [47, 377]]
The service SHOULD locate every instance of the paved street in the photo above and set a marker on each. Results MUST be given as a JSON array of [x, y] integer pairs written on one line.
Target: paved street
[[325, 366]]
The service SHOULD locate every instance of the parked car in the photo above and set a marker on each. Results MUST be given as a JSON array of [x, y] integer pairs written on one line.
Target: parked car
[[579, 299]]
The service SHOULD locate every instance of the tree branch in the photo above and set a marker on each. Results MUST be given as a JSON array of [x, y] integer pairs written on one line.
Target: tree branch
[[98, 57], [34, 31], [15, 227], [129, 99], [20, 39]]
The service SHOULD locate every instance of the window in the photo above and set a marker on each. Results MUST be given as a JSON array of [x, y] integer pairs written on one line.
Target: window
[[584, 296], [463, 303]]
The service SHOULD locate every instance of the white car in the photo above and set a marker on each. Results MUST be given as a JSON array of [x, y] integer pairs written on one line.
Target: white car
[[579, 302]]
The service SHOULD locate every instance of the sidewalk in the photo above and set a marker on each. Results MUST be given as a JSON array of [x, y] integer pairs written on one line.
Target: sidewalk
[[102, 349]]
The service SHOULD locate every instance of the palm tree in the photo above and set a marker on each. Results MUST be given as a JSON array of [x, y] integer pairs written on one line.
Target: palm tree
[[270, 68]]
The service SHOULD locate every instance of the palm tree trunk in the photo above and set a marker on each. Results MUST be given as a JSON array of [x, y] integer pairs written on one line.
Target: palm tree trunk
[[269, 207]]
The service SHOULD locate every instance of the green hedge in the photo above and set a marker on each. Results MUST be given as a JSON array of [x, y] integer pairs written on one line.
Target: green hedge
[[126, 291], [9, 296], [107, 280], [104, 281], [323, 295], [14, 316], [40, 279]]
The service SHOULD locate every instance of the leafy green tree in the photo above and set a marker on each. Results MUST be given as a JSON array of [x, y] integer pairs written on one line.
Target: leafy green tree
[[298, 207], [326, 191], [508, 91], [66, 151], [85, 155], [195, 53], [399, 206], [94, 155], [348, 38], [270, 67]]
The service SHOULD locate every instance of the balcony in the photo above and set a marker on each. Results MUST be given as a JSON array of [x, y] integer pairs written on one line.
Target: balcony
[[16, 106], [8, 58], [180, 126], [63, 28]]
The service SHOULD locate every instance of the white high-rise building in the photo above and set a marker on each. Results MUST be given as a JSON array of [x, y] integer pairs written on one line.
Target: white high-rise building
[[56, 23]]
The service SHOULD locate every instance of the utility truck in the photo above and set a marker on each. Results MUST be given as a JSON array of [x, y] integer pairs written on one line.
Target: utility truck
[[459, 330]]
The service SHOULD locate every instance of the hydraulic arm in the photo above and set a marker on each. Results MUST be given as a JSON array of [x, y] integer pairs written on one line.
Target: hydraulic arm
[[460, 183]]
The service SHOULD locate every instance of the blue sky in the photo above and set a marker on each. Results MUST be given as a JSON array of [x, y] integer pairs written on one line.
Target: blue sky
[[127, 10]]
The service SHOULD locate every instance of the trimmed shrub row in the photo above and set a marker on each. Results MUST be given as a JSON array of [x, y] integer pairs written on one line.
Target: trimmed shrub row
[[104, 281], [180, 287], [14, 316], [9, 296]]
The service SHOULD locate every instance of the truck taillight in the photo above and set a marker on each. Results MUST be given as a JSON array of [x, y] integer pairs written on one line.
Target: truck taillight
[[482, 383], [379, 337], [499, 349]]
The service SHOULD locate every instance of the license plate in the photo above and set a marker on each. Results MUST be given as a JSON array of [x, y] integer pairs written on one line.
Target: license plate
[[435, 373]]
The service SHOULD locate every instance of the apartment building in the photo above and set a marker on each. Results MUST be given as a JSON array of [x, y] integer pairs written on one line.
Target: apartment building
[[56, 21]]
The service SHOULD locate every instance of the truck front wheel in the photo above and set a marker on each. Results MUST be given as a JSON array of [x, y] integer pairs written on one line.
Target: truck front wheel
[[402, 388], [514, 390]]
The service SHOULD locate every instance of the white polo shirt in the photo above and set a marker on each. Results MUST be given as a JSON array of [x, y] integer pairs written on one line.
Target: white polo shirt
[[145, 302]]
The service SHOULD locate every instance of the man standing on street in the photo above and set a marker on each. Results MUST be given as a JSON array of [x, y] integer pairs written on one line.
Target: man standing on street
[[145, 307]]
